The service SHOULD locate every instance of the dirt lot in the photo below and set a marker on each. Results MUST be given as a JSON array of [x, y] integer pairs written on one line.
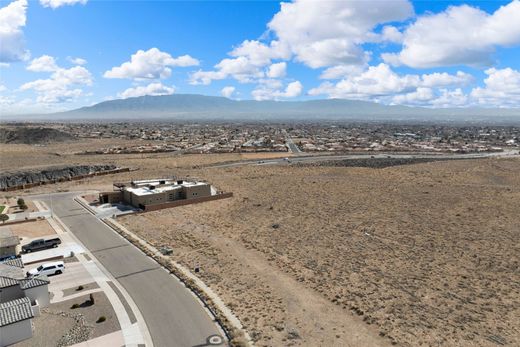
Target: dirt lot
[[31, 230], [419, 255], [424, 254]]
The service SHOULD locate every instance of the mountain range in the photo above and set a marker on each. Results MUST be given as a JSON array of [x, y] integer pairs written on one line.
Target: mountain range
[[185, 107]]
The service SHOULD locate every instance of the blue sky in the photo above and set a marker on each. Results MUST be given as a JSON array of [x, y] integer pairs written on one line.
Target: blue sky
[[423, 53]]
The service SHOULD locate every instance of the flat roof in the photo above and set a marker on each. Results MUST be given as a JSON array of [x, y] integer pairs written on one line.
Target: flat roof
[[162, 188], [147, 190], [155, 181]]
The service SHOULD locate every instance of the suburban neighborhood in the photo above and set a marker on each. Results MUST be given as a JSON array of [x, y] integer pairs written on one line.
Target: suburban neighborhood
[[54, 290]]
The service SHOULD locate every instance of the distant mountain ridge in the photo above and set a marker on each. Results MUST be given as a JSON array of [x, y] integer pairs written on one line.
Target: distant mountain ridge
[[184, 107]]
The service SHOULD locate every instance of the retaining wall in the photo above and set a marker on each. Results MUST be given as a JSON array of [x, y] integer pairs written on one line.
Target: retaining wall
[[156, 207]]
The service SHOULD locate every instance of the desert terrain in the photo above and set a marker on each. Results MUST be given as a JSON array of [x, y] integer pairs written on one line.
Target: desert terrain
[[415, 255]]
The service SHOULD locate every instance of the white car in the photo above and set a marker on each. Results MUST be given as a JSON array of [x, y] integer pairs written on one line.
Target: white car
[[54, 268]]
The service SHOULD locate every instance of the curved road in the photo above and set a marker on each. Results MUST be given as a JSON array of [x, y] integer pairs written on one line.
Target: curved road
[[375, 155], [174, 316]]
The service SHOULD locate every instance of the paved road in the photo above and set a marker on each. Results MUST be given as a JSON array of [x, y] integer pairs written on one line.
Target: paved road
[[292, 146], [173, 316], [317, 158]]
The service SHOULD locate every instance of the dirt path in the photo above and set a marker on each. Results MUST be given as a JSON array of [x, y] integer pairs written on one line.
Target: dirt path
[[314, 319]]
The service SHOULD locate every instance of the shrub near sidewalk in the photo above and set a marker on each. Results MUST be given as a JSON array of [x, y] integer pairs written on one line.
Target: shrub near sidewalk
[[21, 204]]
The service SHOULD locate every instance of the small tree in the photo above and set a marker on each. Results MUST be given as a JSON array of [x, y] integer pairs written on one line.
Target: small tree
[[20, 202], [4, 217]]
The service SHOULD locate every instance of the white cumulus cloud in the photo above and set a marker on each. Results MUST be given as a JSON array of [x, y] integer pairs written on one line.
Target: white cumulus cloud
[[316, 33], [329, 33], [381, 83], [150, 64], [266, 92], [58, 3], [502, 88], [12, 43], [151, 89], [246, 63], [63, 85], [277, 70], [461, 35], [77, 61], [45, 63], [227, 91]]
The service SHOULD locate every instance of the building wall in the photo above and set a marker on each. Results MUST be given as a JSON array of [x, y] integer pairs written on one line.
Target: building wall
[[149, 199], [7, 251], [166, 196], [200, 191], [11, 293], [15, 332], [110, 197], [41, 294], [184, 202]]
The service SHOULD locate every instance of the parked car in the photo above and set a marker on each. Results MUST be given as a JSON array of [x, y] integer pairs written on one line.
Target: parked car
[[54, 268], [40, 245]]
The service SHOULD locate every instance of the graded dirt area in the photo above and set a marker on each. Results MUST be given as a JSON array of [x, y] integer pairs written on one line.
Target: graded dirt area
[[418, 255], [30, 230], [424, 254]]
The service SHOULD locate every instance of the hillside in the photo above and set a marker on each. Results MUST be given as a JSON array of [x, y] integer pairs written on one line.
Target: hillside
[[31, 136]]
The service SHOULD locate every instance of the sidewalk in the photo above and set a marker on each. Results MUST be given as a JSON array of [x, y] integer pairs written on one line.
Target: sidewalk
[[130, 334], [228, 314]]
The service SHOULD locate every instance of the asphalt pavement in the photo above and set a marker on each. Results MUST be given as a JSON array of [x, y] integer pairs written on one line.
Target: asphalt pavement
[[172, 313], [373, 155]]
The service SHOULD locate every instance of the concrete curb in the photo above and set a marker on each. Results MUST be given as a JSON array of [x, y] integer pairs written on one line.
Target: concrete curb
[[225, 317], [93, 266], [85, 204]]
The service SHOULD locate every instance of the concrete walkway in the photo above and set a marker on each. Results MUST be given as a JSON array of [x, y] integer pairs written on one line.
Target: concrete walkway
[[113, 339]]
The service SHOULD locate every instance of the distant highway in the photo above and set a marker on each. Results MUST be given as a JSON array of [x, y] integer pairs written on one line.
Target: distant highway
[[318, 158]]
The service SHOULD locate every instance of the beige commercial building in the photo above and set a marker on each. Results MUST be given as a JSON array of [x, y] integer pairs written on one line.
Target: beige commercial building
[[158, 191]]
